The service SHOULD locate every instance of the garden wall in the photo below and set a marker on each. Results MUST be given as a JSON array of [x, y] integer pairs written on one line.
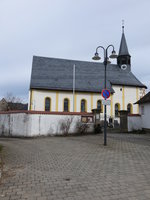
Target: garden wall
[[33, 123], [134, 122]]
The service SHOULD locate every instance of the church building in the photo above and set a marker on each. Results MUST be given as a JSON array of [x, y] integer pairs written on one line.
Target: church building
[[63, 85]]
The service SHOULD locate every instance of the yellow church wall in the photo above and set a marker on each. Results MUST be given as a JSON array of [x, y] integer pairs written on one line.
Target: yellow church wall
[[125, 95], [86, 97], [131, 96], [117, 97], [38, 99], [122, 95]]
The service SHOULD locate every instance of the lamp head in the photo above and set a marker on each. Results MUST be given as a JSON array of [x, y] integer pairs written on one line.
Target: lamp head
[[96, 56], [108, 61], [113, 55]]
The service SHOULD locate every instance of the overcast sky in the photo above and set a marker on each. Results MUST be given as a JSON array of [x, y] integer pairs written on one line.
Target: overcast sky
[[70, 29]]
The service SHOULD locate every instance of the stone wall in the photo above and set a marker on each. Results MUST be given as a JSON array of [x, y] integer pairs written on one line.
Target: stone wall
[[145, 115], [32, 123], [134, 122]]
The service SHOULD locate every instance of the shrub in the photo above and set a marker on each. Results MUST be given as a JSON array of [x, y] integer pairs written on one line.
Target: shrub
[[81, 127], [65, 125], [97, 128], [138, 131]]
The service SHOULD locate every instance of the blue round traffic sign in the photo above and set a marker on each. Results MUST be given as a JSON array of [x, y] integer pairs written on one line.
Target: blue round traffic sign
[[106, 93]]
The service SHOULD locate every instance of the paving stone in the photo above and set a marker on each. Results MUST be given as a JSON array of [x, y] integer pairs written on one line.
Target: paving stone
[[75, 168]]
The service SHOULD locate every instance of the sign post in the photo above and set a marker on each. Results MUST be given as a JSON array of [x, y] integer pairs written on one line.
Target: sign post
[[106, 102], [106, 95]]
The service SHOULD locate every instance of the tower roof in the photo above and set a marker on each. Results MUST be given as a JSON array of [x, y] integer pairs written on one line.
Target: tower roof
[[123, 51]]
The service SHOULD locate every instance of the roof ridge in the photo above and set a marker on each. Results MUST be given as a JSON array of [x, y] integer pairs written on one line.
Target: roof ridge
[[64, 59]]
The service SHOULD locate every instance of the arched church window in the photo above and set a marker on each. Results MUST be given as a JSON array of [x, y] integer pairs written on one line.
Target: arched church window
[[66, 105], [83, 105], [47, 104], [99, 105], [129, 108], [117, 108]]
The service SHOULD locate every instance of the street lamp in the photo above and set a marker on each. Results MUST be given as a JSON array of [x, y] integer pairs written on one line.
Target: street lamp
[[106, 62]]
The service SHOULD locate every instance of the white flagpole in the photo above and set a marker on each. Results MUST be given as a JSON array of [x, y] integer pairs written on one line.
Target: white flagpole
[[74, 71]]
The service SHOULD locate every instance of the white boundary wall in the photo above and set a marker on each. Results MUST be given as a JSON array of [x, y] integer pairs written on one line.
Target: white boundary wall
[[145, 115], [134, 123], [29, 125]]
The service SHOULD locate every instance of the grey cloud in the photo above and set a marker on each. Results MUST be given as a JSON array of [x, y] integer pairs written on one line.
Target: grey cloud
[[68, 29]]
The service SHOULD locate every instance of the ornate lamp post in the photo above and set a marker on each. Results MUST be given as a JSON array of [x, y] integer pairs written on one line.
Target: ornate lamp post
[[106, 62]]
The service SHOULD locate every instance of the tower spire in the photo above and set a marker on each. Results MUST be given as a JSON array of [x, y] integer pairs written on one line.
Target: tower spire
[[123, 56], [123, 45]]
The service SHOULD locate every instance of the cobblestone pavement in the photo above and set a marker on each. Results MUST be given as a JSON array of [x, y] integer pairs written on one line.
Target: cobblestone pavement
[[77, 168]]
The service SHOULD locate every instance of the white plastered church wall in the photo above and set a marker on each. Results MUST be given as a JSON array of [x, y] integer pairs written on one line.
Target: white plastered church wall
[[57, 97]]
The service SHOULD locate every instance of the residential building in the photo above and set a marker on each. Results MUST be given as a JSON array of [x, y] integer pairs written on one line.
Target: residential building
[[144, 107]]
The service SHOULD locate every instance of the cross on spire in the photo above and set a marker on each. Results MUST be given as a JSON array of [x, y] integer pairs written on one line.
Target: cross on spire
[[123, 26]]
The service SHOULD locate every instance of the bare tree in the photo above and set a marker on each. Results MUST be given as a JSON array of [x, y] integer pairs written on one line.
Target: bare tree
[[13, 99], [65, 125], [81, 127], [14, 102]]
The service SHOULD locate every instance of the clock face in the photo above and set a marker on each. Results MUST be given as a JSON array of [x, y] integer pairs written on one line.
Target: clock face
[[124, 67]]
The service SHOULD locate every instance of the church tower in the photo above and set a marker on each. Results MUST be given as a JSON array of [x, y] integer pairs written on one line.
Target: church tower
[[124, 57]]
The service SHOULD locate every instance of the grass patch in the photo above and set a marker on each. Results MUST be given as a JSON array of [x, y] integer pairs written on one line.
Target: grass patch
[[1, 147], [1, 162], [139, 131]]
